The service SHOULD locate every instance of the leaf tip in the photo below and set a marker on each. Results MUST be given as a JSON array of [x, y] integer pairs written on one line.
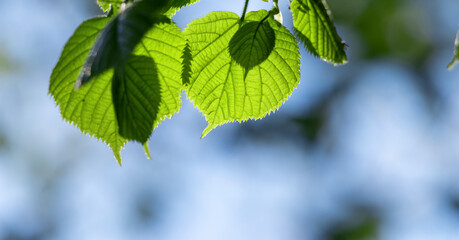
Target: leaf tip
[[117, 153], [147, 150], [118, 157], [452, 64], [207, 130]]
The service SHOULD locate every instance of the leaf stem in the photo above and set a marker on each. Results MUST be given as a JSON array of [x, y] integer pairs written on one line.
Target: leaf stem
[[245, 10]]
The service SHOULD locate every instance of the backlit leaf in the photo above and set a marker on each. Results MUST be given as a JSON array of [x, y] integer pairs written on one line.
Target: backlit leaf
[[218, 87], [91, 107], [313, 26]]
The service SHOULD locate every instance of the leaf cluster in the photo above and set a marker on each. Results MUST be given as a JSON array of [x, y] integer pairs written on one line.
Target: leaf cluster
[[121, 74]]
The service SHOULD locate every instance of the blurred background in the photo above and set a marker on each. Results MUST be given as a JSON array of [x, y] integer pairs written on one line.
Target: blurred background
[[368, 150]]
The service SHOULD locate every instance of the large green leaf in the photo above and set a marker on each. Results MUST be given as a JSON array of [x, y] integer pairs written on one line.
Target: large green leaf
[[220, 87], [313, 26], [116, 42], [456, 53], [91, 107]]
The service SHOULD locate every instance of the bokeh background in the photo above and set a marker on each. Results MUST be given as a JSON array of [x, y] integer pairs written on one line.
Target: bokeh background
[[368, 150]]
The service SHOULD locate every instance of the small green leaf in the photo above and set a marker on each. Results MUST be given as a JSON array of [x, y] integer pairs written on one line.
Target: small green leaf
[[218, 87], [136, 97], [456, 53], [116, 42], [252, 44], [314, 27]]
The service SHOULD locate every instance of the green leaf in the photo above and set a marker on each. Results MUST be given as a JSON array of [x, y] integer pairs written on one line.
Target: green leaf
[[218, 87], [252, 44], [136, 97], [91, 107], [120, 36], [314, 27], [456, 53], [175, 6]]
